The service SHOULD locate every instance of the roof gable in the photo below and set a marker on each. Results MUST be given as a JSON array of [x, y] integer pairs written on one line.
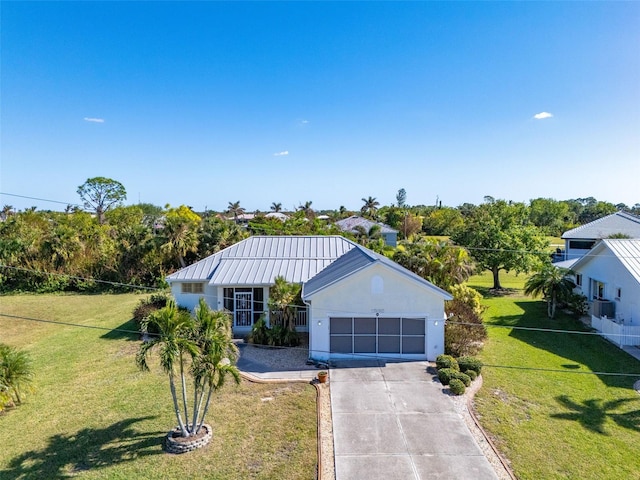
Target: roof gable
[[619, 222], [626, 251], [357, 260]]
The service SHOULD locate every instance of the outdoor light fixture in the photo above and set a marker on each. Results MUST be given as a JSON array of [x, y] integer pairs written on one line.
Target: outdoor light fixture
[[319, 323]]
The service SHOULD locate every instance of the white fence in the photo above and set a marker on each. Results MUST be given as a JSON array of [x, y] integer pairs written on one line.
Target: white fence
[[620, 334]]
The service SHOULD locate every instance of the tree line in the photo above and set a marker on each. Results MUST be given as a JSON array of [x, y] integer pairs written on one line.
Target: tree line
[[75, 249]]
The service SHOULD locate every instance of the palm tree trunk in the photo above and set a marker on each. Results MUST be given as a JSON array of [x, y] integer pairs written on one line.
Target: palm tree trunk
[[206, 408], [174, 395], [197, 405], [552, 313], [184, 391]]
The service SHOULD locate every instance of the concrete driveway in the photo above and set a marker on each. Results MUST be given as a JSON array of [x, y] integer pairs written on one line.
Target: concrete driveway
[[392, 421]]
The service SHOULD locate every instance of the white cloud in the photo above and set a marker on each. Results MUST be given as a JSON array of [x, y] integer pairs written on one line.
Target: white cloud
[[280, 154], [94, 120], [304, 122], [542, 115]]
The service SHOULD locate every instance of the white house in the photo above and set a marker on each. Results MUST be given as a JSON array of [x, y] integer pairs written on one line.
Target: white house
[[359, 303], [581, 239], [609, 276], [351, 224]]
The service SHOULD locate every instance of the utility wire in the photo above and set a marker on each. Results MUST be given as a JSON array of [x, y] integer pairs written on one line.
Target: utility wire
[[39, 199], [362, 356], [447, 321]]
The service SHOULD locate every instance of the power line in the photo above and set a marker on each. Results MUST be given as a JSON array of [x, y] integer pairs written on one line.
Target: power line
[[361, 356], [39, 199], [447, 321]]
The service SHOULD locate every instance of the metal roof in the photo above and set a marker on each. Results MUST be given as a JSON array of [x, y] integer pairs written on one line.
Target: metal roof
[[257, 260], [349, 225], [627, 251], [619, 222]]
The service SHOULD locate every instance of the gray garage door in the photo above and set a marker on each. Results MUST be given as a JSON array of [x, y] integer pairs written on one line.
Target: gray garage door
[[377, 335]]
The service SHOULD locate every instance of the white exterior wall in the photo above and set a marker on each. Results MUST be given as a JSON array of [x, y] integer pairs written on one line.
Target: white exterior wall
[[356, 296], [190, 300], [608, 270]]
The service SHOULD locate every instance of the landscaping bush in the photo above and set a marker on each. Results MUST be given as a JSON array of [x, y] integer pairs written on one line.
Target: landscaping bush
[[464, 332], [472, 374], [445, 375], [446, 361], [470, 363], [463, 377], [457, 387], [146, 307], [259, 332]]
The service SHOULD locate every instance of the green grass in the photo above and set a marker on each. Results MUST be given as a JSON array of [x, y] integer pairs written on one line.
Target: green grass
[[562, 421], [95, 415]]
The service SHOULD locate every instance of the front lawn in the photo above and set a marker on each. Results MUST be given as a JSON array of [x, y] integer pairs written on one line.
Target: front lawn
[[94, 415], [552, 417]]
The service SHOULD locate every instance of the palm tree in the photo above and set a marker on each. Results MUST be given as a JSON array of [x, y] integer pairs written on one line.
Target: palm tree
[[6, 212], [366, 236], [174, 327], [181, 238], [282, 297], [217, 358], [235, 209], [276, 207], [370, 207], [16, 372], [554, 284], [306, 208]]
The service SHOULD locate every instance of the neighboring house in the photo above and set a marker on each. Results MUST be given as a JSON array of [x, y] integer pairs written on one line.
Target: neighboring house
[[279, 215], [359, 303], [581, 239], [609, 276], [351, 223]]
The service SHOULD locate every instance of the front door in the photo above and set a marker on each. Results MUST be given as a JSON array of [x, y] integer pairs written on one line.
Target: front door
[[243, 313]]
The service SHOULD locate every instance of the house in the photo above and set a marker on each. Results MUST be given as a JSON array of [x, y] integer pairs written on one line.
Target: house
[[359, 303], [354, 224], [581, 239], [609, 276]]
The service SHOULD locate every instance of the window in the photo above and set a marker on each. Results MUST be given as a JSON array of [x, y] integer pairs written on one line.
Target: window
[[597, 290], [618, 293], [193, 288], [579, 279], [581, 244]]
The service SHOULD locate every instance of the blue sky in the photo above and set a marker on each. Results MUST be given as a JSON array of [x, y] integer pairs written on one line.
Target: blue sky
[[205, 103]]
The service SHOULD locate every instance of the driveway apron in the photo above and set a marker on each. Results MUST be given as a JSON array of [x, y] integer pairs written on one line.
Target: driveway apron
[[392, 421]]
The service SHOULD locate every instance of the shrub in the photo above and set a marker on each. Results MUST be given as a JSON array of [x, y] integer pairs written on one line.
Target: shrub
[[146, 307], [457, 387], [464, 332], [472, 374], [446, 361], [259, 332], [463, 377], [445, 375], [468, 296], [470, 363], [578, 305]]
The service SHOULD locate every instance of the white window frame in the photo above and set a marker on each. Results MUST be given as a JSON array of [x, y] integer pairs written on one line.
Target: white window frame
[[192, 287]]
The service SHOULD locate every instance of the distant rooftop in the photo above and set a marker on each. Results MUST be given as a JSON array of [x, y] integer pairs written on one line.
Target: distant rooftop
[[616, 223], [350, 224]]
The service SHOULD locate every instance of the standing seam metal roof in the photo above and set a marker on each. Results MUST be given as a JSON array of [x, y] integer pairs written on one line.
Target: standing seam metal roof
[[258, 260], [619, 222]]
